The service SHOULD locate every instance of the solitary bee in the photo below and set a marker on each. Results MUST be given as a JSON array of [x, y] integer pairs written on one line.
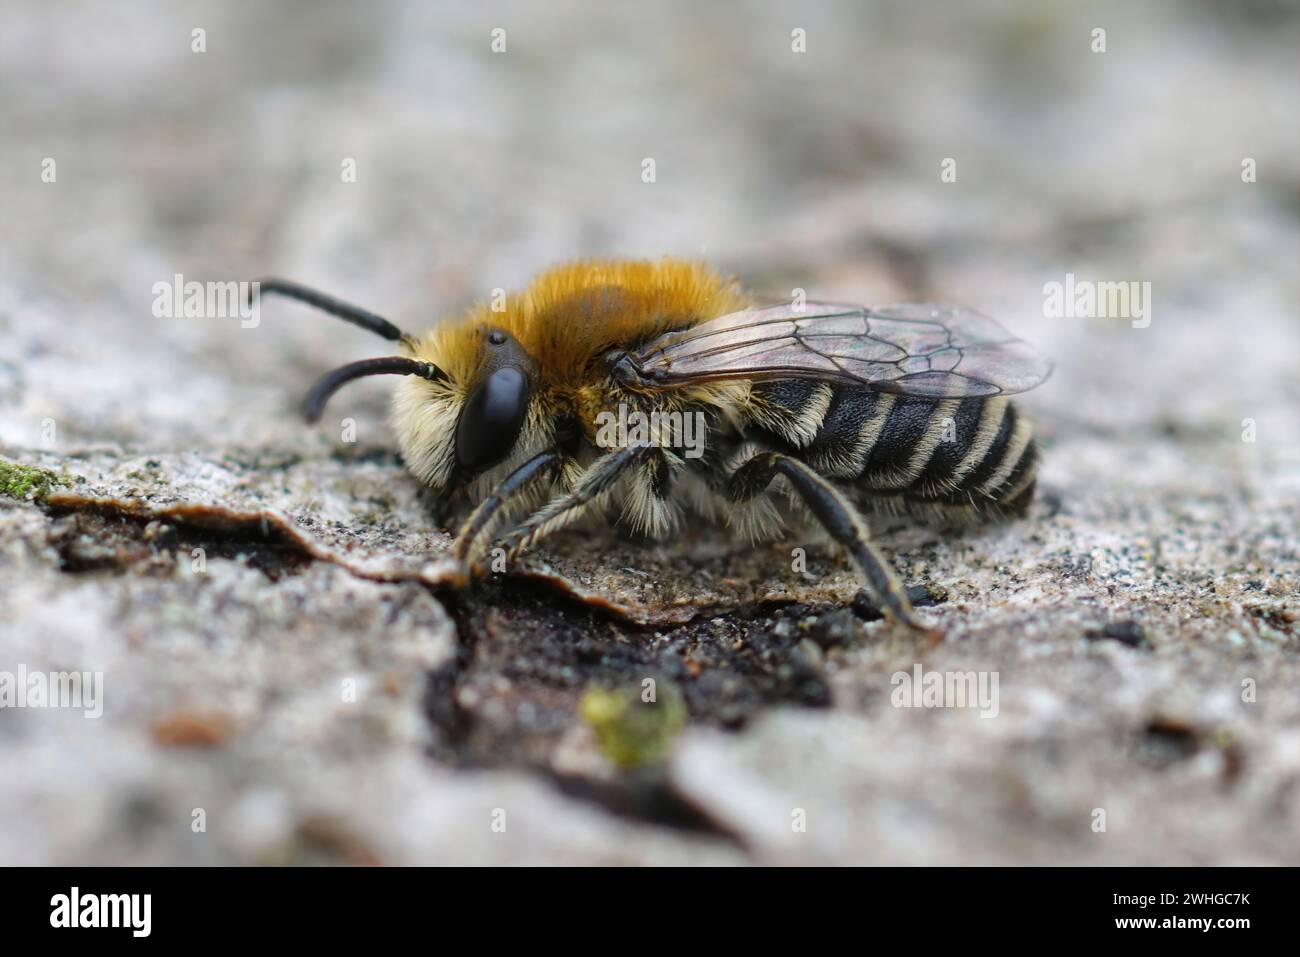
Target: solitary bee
[[898, 409]]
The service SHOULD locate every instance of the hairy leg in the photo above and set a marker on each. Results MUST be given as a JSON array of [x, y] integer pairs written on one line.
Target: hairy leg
[[598, 479], [491, 509], [838, 516]]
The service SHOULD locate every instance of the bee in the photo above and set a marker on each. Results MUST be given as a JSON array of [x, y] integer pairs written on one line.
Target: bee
[[897, 409]]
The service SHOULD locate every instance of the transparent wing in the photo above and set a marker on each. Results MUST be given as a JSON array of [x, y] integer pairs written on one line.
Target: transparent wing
[[921, 349]]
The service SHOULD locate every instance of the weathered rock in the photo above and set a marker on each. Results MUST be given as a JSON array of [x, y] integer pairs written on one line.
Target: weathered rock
[[268, 603]]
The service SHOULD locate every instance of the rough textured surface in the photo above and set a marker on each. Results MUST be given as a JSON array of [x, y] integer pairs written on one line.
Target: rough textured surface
[[268, 603]]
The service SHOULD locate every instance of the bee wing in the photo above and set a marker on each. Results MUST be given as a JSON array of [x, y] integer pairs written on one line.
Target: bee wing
[[920, 349]]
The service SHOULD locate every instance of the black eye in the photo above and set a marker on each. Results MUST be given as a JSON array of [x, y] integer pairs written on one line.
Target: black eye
[[490, 422]]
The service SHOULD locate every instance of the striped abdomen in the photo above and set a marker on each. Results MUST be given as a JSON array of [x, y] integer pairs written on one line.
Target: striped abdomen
[[948, 456]]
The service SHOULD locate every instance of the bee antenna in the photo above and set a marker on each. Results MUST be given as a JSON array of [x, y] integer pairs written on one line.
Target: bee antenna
[[353, 314], [331, 382]]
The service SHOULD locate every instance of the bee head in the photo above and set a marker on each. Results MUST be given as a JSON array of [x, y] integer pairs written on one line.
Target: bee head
[[463, 399], [454, 430], [496, 404]]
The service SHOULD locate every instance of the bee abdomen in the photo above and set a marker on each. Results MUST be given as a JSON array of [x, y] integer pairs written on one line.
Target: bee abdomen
[[991, 467], [966, 453]]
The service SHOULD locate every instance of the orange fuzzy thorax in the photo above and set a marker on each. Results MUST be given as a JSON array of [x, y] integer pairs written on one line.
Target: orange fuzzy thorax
[[572, 312]]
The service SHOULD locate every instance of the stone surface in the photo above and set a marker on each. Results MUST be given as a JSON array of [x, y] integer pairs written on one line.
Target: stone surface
[[282, 656]]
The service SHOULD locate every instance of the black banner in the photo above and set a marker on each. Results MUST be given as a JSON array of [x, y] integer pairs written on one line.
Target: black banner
[[335, 906]]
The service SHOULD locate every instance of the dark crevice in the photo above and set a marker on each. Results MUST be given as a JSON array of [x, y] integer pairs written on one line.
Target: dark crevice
[[642, 795], [524, 661], [89, 539]]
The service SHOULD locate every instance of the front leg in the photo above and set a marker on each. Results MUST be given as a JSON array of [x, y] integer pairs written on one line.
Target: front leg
[[567, 507], [491, 509], [838, 516]]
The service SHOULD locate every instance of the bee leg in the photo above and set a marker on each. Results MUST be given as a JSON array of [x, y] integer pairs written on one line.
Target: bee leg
[[598, 479], [838, 516], [493, 507]]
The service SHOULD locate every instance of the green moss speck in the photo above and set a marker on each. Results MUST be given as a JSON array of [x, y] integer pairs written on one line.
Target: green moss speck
[[631, 730], [27, 482]]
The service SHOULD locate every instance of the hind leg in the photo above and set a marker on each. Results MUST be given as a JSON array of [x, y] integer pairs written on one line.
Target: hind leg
[[838, 516]]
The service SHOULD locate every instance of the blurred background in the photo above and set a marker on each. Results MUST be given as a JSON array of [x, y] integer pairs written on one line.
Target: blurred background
[[821, 169], [1119, 155]]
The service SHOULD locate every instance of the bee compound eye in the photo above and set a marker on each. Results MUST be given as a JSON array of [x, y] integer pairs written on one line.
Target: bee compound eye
[[491, 419]]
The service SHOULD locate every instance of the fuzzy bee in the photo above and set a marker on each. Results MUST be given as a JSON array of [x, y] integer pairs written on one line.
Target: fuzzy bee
[[897, 409]]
